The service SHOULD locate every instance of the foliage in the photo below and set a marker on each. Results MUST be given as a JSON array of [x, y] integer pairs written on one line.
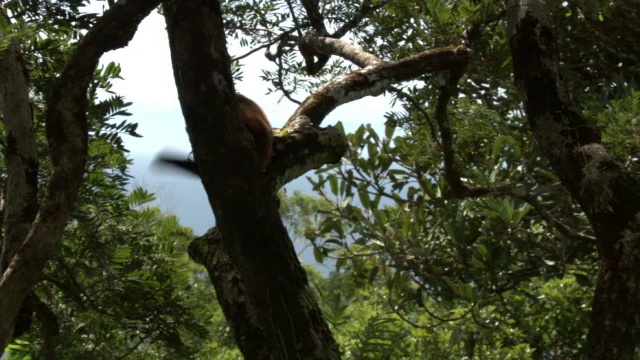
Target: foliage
[[370, 322], [300, 211], [420, 272], [120, 284], [472, 277], [622, 129]]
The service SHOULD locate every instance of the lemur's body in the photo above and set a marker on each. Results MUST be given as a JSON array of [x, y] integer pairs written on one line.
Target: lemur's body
[[258, 126]]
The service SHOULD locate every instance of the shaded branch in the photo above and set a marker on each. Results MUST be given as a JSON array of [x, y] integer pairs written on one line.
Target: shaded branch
[[317, 25], [451, 172], [21, 157], [50, 326], [606, 192], [294, 17], [66, 132], [517, 192], [280, 83], [315, 17], [552, 220]]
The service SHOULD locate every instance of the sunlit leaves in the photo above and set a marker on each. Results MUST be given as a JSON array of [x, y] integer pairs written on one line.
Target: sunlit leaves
[[394, 223], [380, 339], [622, 129]]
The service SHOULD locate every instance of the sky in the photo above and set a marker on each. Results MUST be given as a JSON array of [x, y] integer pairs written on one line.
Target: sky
[[148, 83]]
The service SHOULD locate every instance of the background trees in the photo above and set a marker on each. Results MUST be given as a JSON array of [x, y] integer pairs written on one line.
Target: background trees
[[468, 229]]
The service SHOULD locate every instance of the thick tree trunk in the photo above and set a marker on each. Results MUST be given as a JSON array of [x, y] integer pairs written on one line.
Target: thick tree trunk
[[608, 195], [262, 287]]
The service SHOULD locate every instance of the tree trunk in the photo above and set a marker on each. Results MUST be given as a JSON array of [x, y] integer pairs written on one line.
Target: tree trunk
[[608, 195], [262, 287]]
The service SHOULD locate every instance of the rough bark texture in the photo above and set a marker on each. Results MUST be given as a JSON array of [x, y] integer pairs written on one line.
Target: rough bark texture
[[262, 287], [66, 131], [609, 196], [302, 148], [21, 156], [21, 159]]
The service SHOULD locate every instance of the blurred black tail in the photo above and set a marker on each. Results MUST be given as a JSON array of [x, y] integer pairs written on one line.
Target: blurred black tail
[[174, 161]]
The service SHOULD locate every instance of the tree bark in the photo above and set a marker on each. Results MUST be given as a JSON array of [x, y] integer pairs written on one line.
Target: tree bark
[[21, 155], [608, 195], [21, 161], [262, 287]]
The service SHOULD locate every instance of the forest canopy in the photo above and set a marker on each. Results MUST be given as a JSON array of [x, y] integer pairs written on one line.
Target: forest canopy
[[496, 216]]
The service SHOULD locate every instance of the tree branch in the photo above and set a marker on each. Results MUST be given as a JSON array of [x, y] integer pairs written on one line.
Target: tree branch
[[552, 220], [50, 326], [66, 131], [21, 202], [317, 25], [315, 17], [330, 46], [433, 127], [451, 171], [303, 147], [318, 30], [375, 79]]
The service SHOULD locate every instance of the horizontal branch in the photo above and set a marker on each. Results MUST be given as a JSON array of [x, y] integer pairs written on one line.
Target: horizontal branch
[[375, 79]]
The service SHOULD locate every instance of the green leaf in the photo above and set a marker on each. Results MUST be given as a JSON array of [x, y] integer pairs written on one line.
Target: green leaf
[[389, 130], [318, 255], [333, 182], [122, 254]]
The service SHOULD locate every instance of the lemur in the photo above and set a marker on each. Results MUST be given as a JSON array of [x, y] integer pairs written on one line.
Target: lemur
[[259, 127]]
